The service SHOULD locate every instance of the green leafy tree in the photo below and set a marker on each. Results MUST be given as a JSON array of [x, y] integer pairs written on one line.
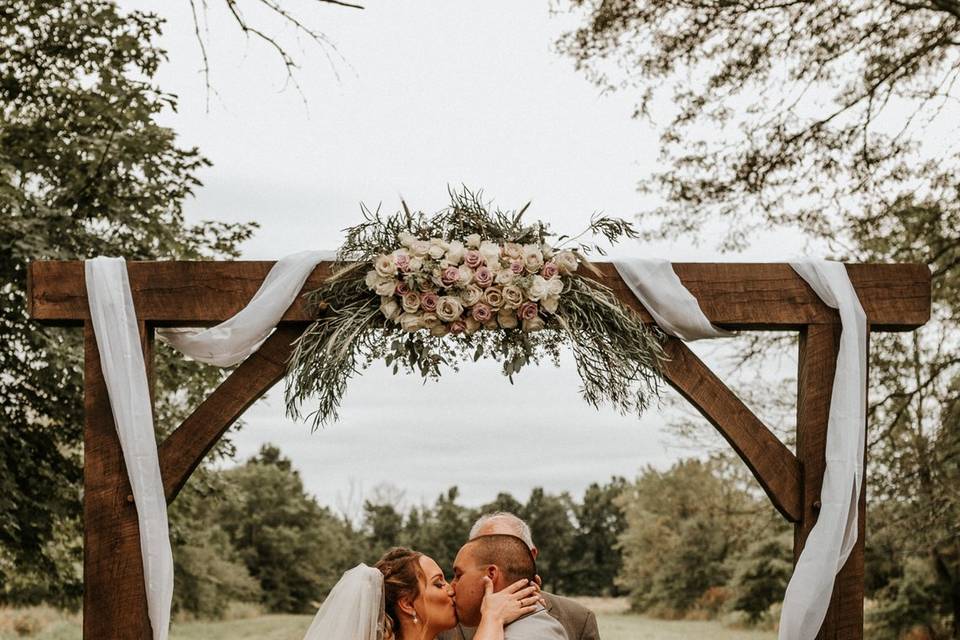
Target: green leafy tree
[[85, 170], [551, 520], [294, 548], [596, 558], [761, 574]]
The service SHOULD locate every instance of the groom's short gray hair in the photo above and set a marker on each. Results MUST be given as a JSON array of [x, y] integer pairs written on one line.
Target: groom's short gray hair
[[520, 528]]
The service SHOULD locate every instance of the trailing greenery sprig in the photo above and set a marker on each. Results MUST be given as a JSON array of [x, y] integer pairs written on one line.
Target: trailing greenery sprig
[[617, 356]]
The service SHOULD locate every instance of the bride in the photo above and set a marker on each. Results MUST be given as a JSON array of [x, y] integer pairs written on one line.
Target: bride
[[405, 597]]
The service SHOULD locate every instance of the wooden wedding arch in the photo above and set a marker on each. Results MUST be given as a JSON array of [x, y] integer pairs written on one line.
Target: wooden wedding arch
[[755, 297]]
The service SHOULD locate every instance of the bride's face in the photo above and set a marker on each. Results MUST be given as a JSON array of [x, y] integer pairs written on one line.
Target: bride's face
[[435, 602]]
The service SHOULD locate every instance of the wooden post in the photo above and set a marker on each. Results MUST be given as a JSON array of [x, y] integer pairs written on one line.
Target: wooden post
[[114, 596], [818, 362]]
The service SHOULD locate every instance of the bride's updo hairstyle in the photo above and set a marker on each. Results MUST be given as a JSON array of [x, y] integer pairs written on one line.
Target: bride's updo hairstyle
[[402, 576]]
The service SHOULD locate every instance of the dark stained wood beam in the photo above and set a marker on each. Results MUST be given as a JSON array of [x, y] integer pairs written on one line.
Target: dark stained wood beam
[[184, 449], [771, 462], [896, 297]]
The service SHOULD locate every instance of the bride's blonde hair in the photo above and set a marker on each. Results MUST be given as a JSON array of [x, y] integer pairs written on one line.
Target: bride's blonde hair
[[402, 576]]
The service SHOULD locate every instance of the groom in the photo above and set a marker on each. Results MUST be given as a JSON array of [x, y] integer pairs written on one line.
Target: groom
[[578, 621], [504, 559]]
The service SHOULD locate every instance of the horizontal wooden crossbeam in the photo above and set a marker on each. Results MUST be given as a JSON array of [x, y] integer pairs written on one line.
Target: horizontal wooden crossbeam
[[770, 296]]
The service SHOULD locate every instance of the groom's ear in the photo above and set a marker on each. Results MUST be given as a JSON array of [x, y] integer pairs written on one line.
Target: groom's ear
[[493, 572]]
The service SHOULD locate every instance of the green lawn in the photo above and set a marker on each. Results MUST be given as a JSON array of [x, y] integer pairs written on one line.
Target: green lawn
[[613, 626]]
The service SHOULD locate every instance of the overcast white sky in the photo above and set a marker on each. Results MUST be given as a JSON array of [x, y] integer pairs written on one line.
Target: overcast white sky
[[431, 94]]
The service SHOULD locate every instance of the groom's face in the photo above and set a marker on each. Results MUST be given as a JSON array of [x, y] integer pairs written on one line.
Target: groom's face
[[468, 586]]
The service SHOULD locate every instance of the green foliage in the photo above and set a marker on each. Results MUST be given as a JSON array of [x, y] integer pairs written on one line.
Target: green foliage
[[85, 170], [293, 547], [760, 575], [684, 526], [617, 356], [596, 555], [912, 600]]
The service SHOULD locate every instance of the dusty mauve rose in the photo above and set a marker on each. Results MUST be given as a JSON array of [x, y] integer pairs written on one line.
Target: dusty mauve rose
[[458, 326], [528, 310], [402, 260], [402, 288], [516, 267], [472, 258], [411, 301], [549, 270], [512, 296], [428, 301], [450, 275], [483, 277], [481, 313], [493, 297], [507, 318], [449, 308]]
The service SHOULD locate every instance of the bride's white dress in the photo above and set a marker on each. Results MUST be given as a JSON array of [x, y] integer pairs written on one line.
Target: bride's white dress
[[353, 610]]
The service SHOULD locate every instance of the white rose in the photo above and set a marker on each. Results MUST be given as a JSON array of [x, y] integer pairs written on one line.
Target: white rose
[[470, 295], [410, 301], [504, 276], [437, 249], [429, 320], [390, 308], [386, 287], [566, 261], [547, 251], [410, 322], [420, 248], [507, 318], [455, 252], [513, 250], [490, 252], [538, 288], [449, 308], [512, 296], [555, 286], [550, 303], [372, 279], [532, 257], [416, 264], [385, 265], [466, 275], [473, 240], [406, 239]]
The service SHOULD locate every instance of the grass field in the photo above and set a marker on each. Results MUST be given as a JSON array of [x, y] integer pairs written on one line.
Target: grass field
[[615, 624]]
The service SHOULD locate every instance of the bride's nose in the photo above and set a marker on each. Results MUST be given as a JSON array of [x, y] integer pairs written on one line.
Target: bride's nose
[[450, 591]]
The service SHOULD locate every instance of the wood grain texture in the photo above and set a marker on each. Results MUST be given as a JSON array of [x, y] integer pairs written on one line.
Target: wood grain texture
[[773, 465], [183, 449], [740, 296], [817, 365], [114, 595]]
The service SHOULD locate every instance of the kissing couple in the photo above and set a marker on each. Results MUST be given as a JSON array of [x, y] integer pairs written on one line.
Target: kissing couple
[[494, 595]]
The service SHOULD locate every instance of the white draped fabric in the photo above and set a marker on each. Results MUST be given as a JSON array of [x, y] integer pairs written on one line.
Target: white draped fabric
[[835, 532], [231, 341], [125, 374], [654, 283]]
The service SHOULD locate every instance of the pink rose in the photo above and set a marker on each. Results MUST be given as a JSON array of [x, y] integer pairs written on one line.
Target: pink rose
[[472, 258], [402, 259], [428, 301], [402, 288], [528, 311], [450, 275], [549, 270], [516, 267], [483, 277], [482, 313], [458, 326]]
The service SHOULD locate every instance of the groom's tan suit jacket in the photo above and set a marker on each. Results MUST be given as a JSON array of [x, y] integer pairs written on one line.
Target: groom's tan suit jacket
[[578, 621]]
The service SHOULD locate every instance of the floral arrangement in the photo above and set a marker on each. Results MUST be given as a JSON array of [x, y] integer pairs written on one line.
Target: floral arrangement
[[461, 286], [424, 292]]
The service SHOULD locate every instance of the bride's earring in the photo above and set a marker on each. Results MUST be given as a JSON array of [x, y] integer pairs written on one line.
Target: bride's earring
[[415, 619]]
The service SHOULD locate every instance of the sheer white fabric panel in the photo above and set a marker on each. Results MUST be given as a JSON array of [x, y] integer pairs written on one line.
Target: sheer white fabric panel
[[125, 374], [835, 533], [231, 341]]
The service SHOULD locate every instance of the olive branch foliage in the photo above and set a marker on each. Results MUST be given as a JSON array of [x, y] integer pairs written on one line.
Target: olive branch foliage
[[617, 356]]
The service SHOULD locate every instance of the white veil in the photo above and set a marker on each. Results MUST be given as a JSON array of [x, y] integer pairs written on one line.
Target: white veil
[[353, 610]]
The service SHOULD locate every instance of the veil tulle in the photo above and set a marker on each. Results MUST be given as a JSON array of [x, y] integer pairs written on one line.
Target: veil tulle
[[353, 610]]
